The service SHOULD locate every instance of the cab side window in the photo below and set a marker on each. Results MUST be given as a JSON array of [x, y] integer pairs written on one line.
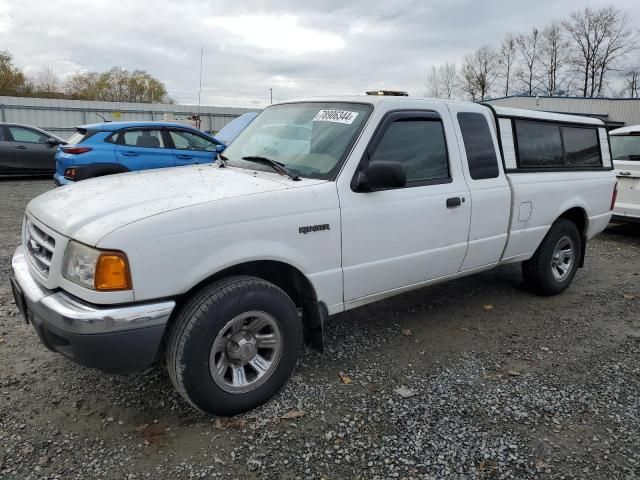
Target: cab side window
[[419, 145]]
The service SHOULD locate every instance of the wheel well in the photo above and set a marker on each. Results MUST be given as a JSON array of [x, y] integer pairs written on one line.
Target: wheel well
[[578, 216], [294, 283]]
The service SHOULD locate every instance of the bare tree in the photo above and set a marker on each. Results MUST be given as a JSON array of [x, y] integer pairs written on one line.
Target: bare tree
[[554, 56], [632, 83], [479, 73], [448, 79], [433, 83], [618, 41], [600, 38], [508, 54], [529, 48], [442, 81]]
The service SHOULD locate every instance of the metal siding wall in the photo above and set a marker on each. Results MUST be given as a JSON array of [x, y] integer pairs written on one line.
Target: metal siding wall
[[623, 110], [60, 117]]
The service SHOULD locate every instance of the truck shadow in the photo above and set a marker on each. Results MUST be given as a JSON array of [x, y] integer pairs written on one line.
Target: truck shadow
[[624, 231]]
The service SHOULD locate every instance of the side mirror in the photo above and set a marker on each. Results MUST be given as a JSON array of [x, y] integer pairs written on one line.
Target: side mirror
[[220, 148], [381, 175], [52, 142]]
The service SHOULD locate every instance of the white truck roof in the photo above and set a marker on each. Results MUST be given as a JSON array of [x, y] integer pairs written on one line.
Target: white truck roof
[[412, 102], [633, 129]]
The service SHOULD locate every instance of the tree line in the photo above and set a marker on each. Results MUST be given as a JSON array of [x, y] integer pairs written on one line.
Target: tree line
[[114, 85], [592, 53]]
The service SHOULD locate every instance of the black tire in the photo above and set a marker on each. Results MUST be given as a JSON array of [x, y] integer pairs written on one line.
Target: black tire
[[200, 321], [538, 272]]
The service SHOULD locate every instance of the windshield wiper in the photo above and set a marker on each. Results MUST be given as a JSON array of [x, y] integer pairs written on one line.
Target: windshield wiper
[[277, 166]]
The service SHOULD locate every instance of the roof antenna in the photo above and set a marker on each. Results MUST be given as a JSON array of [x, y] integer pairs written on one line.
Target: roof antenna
[[105, 120]]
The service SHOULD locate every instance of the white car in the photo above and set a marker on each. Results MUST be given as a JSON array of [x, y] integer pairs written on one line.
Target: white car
[[221, 270], [625, 148]]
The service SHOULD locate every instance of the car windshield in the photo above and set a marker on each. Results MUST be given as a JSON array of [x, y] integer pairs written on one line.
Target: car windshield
[[625, 147], [309, 139]]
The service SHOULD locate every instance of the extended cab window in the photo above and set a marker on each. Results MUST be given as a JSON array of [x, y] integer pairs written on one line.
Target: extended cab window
[[478, 144], [142, 138], [539, 144], [419, 145], [581, 146]]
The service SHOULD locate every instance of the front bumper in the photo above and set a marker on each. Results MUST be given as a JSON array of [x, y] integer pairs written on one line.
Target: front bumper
[[113, 338]]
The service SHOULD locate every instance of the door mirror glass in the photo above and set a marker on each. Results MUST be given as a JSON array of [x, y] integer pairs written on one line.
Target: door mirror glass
[[382, 175]]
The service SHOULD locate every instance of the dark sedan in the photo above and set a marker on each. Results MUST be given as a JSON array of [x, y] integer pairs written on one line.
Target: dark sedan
[[26, 150]]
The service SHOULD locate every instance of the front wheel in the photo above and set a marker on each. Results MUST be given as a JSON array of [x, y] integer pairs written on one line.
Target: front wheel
[[234, 344], [555, 263]]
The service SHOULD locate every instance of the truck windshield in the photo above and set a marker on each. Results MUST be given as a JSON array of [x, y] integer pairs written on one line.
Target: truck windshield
[[309, 139], [625, 147]]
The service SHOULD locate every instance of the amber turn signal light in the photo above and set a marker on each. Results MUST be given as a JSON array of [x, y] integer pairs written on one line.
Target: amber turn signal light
[[112, 272]]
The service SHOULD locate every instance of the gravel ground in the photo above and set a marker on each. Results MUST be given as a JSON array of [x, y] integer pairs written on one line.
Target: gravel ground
[[476, 378]]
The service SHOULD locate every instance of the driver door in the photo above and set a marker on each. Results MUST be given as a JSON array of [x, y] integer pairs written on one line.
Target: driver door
[[401, 237]]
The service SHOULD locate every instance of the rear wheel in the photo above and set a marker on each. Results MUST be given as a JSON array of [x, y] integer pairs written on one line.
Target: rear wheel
[[234, 344], [555, 263]]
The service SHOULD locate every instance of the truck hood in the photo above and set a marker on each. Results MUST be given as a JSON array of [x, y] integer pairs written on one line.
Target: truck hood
[[88, 210]]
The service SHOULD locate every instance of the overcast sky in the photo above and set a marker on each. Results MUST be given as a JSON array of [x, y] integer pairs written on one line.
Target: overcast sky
[[297, 47]]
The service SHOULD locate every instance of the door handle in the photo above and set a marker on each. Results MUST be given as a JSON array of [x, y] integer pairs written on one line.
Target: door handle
[[184, 157], [21, 147], [454, 202], [625, 174], [130, 154]]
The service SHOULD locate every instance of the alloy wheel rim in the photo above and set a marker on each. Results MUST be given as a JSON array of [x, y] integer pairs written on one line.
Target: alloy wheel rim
[[562, 259], [245, 352]]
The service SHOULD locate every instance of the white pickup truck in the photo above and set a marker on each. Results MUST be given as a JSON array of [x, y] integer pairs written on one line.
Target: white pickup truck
[[318, 207]]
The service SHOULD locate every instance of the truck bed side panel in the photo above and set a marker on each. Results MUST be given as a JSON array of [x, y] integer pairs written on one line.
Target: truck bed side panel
[[539, 199]]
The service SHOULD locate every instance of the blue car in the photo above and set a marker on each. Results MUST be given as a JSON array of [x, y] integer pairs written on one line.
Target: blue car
[[115, 147]]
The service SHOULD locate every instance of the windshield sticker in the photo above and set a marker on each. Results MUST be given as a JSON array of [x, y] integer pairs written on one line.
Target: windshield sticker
[[336, 116]]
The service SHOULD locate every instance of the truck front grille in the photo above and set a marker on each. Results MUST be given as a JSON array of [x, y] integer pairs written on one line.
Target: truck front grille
[[39, 247]]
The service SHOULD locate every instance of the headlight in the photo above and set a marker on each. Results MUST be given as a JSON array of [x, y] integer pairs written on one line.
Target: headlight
[[96, 269]]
